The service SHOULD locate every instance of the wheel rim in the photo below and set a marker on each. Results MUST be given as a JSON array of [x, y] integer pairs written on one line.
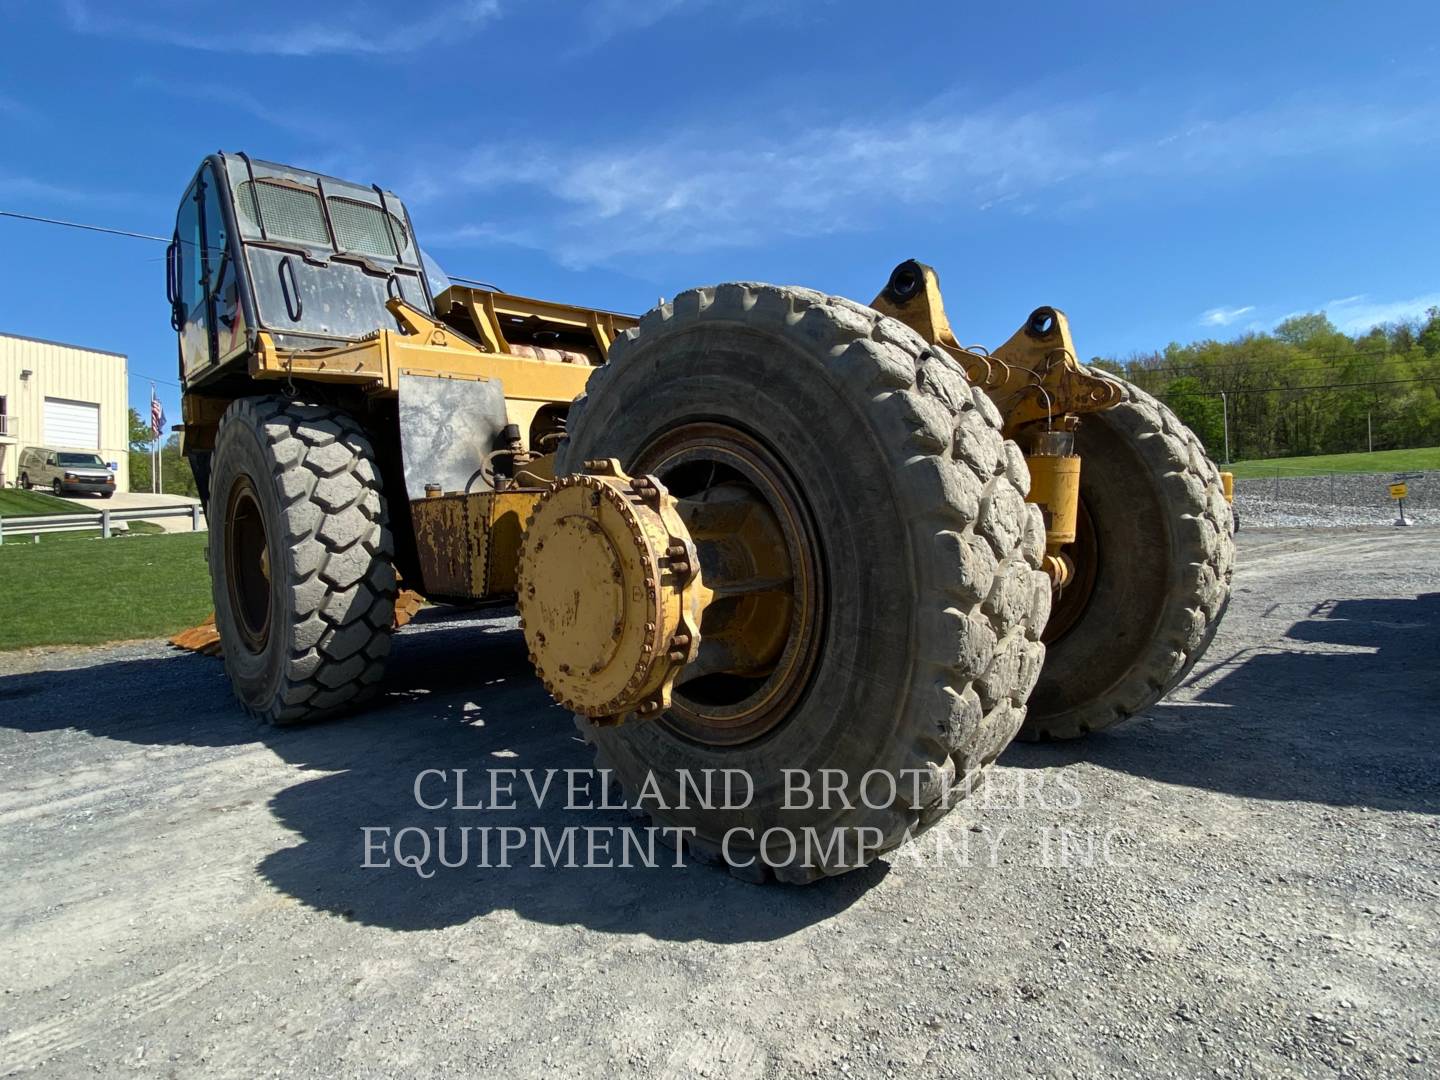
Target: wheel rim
[[767, 567], [247, 565], [1070, 603]]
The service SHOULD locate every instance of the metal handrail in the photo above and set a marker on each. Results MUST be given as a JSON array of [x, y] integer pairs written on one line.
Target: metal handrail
[[89, 519]]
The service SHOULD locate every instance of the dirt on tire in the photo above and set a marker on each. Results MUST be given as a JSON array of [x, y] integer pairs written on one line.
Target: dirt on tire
[[329, 551], [930, 559], [1164, 551]]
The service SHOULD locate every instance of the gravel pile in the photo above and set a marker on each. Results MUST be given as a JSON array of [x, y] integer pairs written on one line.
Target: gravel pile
[[1333, 500]]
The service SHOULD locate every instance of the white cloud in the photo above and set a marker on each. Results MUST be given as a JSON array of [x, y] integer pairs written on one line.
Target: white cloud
[[1357, 314], [718, 186], [365, 31], [606, 18], [1223, 316], [602, 20]]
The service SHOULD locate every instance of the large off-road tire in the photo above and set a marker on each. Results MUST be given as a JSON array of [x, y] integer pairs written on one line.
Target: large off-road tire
[[1154, 556], [925, 606], [300, 559]]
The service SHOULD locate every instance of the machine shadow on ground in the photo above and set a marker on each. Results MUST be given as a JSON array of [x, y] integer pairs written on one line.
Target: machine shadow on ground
[[1351, 727], [457, 696]]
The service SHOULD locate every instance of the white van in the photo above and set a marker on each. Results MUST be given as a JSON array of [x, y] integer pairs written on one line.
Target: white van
[[65, 471]]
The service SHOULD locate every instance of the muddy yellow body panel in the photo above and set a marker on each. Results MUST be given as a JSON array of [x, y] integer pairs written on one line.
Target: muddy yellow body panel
[[468, 545]]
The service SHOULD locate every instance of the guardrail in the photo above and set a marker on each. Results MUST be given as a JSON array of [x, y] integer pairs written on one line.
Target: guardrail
[[103, 519]]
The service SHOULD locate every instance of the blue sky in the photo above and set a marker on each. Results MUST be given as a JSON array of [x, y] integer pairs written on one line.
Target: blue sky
[[1159, 171]]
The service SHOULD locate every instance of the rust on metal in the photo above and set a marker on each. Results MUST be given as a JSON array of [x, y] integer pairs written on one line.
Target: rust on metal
[[609, 593], [468, 544], [1055, 489]]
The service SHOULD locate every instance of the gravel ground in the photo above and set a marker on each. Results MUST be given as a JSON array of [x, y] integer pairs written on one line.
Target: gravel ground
[[1244, 882], [1334, 499]]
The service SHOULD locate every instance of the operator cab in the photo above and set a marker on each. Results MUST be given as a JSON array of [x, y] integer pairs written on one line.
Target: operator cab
[[309, 258]]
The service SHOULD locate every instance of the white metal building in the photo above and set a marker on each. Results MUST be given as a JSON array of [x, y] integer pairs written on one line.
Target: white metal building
[[64, 397]]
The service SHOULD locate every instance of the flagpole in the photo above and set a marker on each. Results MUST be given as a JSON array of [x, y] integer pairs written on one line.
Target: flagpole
[[157, 430]]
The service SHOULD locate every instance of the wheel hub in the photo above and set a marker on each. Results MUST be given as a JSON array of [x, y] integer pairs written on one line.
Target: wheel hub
[[696, 597], [608, 589], [759, 553], [247, 565]]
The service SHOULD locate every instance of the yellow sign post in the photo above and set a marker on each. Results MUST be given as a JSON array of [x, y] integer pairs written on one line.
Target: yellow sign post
[[1398, 490]]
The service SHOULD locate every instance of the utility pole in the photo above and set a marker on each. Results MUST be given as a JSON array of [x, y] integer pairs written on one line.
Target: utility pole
[[1225, 419], [1369, 432]]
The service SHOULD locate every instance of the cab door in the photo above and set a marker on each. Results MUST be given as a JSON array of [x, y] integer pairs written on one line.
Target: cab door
[[222, 282], [189, 307], [205, 293]]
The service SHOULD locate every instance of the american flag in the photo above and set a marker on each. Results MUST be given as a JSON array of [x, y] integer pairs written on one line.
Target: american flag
[[157, 414]]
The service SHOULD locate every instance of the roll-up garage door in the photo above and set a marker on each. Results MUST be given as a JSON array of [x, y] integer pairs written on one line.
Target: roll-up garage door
[[72, 424]]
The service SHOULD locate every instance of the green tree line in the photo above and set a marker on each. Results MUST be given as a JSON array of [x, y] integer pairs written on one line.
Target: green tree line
[[1303, 388], [175, 475]]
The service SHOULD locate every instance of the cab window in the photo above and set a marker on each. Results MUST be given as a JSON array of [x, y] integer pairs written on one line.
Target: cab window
[[217, 240], [189, 272], [290, 211]]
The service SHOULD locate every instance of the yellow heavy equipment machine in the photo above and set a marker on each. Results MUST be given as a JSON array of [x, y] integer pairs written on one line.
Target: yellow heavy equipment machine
[[758, 529]]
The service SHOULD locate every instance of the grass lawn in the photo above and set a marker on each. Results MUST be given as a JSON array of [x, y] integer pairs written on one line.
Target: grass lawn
[[74, 593], [1424, 459], [17, 503]]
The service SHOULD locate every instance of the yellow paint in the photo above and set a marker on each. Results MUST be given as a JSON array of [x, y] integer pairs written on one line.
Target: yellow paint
[[1034, 376], [1055, 488], [468, 544], [1399, 491], [607, 581]]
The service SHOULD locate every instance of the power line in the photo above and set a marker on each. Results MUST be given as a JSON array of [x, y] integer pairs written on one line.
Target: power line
[[79, 225], [1159, 368], [1401, 365], [1302, 364], [1155, 359], [152, 379], [1319, 386], [1164, 364], [1160, 358]]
